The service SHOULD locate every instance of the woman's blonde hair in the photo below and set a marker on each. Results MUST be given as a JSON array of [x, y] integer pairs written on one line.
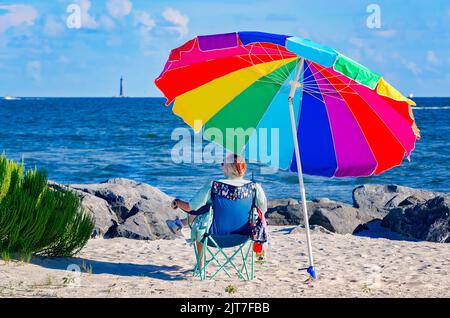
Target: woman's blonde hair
[[234, 166]]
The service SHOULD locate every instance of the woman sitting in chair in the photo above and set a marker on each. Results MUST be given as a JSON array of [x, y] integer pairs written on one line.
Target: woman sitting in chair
[[234, 169]]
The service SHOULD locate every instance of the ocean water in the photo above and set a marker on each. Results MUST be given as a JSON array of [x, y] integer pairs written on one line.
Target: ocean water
[[88, 140]]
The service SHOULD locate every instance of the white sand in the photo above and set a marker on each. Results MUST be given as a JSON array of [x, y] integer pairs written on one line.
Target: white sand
[[348, 266]]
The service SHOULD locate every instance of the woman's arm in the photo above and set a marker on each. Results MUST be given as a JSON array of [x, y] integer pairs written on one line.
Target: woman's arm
[[183, 205], [199, 200], [261, 199]]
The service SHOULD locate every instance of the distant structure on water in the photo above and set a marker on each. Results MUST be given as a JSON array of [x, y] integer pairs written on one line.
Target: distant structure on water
[[10, 98], [122, 93]]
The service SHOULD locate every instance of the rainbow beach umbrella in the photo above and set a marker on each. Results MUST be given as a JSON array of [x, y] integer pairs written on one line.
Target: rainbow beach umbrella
[[334, 117]]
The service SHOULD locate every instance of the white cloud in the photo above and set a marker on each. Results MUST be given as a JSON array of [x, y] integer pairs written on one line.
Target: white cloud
[[358, 42], [87, 21], [142, 18], [145, 24], [413, 67], [119, 8], [363, 49], [387, 34], [53, 27], [34, 70], [107, 22], [354, 54], [179, 21], [17, 15], [432, 58]]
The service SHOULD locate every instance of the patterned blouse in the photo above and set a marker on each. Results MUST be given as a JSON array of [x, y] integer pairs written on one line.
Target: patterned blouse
[[232, 192], [240, 188]]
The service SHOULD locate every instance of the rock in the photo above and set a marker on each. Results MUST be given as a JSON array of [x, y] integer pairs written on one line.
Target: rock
[[361, 228], [284, 212], [104, 216], [320, 229], [338, 217], [281, 202], [120, 194], [382, 198], [146, 223], [141, 209], [373, 229], [428, 220], [334, 216], [123, 195], [313, 228], [142, 227]]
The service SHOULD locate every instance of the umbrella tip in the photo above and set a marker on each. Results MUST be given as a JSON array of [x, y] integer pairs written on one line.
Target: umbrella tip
[[312, 272]]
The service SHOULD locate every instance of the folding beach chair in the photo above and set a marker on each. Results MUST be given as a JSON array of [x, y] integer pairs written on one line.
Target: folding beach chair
[[232, 209]]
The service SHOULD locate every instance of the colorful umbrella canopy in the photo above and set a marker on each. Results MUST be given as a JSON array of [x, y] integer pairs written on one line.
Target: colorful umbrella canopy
[[352, 122], [343, 120]]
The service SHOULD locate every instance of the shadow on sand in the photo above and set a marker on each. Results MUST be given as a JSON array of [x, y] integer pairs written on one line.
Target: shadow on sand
[[373, 230], [171, 273]]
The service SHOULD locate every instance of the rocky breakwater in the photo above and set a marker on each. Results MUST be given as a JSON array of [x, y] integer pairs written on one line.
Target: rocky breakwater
[[125, 208], [415, 213], [335, 216]]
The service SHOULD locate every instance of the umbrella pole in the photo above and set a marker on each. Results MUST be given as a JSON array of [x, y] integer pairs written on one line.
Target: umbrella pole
[[294, 85]]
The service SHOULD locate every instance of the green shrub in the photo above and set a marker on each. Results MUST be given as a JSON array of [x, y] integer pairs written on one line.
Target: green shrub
[[36, 219], [231, 289]]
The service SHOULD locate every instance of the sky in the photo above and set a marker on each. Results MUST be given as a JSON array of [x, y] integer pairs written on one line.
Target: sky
[[42, 54]]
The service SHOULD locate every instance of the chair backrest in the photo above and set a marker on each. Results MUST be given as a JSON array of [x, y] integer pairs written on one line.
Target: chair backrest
[[231, 208]]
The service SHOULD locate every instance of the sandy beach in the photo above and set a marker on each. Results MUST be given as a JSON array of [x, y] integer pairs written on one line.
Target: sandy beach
[[348, 266]]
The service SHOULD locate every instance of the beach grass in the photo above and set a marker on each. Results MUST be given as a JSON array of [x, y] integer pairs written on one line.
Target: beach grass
[[36, 219]]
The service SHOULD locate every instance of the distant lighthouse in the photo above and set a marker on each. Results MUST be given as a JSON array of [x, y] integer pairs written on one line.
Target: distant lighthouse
[[121, 88]]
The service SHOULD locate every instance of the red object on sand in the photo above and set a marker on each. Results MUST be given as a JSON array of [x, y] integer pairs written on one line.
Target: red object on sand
[[257, 247]]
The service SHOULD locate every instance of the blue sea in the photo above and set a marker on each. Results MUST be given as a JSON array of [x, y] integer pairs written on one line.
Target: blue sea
[[88, 140]]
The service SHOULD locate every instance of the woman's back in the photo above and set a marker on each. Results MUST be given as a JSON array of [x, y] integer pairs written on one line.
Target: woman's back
[[203, 196], [232, 207]]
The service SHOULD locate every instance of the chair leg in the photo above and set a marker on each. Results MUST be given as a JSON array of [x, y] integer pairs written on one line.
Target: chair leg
[[197, 268], [228, 260], [252, 271], [214, 257], [201, 255], [243, 267], [245, 259], [204, 247]]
